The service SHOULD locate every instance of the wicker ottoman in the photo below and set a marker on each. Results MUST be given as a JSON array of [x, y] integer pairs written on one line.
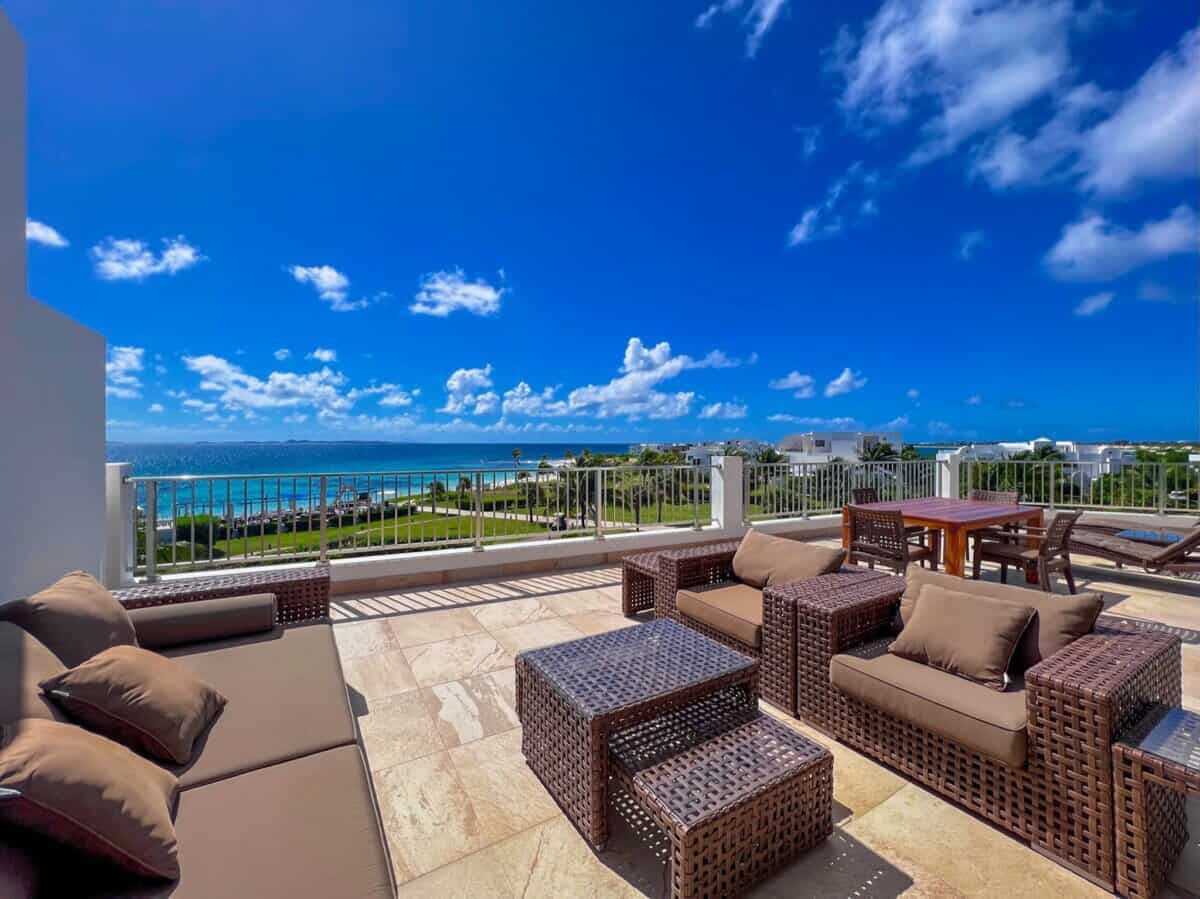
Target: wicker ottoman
[[637, 582], [736, 806]]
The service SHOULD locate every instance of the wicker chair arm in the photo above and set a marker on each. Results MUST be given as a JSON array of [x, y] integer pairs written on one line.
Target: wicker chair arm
[[680, 569]]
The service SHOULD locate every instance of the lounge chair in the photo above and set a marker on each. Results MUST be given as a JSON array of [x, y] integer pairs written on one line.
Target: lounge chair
[[1180, 557]]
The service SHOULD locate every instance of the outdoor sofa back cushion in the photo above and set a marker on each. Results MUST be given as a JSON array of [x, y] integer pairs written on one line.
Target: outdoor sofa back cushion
[[762, 559], [1058, 620], [148, 702], [75, 618], [971, 636], [89, 793], [177, 624], [24, 664]]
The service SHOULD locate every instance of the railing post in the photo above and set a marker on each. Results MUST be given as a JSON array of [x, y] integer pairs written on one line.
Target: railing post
[[1051, 486], [1162, 488], [598, 499], [323, 558], [803, 479], [695, 475], [728, 494], [151, 530], [477, 513], [120, 525]]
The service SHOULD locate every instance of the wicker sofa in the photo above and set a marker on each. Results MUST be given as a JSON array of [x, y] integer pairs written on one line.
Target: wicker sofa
[[1041, 768], [277, 802]]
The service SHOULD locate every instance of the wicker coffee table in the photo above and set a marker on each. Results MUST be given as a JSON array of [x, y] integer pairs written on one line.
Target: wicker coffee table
[[573, 696], [1155, 766], [737, 793]]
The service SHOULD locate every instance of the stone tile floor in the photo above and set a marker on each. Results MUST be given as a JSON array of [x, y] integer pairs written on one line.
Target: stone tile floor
[[431, 672]]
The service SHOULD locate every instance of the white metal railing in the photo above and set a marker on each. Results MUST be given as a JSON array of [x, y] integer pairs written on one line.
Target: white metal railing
[[184, 523], [801, 489], [1162, 487]]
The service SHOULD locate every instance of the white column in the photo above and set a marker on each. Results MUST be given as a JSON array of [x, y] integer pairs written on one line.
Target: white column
[[949, 467], [727, 494], [120, 502]]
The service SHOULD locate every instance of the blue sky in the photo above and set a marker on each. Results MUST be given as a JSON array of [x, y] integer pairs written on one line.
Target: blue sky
[[965, 219]]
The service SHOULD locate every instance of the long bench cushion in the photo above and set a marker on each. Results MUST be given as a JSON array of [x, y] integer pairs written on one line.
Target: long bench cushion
[[308, 827], [179, 623], [286, 697], [24, 663], [1057, 622], [986, 721], [733, 609]]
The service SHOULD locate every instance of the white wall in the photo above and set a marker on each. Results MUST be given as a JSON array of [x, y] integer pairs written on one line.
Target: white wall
[[51, 391]]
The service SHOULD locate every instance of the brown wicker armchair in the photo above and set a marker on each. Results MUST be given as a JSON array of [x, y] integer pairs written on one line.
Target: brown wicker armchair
[[1049, 552], [880, 536], [1078, 701]]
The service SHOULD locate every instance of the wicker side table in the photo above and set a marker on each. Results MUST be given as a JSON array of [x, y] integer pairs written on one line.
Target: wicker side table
[[637, 582], [1155, 766], [737, 793]]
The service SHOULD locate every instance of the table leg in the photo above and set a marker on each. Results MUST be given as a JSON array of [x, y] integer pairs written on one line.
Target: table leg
[[956, 550], [1035, 520], [845, 529]]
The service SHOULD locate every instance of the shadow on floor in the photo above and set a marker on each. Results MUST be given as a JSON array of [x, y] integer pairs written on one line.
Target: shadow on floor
[[841, 866], [464, 596]]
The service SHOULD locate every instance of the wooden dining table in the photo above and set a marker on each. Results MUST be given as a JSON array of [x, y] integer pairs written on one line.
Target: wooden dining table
[[956, 518]]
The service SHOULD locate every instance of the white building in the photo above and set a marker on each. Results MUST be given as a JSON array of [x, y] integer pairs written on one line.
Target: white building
[[826, 446], [1097, 458]]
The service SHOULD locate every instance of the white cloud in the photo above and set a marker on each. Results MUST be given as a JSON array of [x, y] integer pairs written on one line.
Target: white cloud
[[468, 393], [321, 354], [896, 424], [829, 424], [199, 405], [239, 391], [121, 372], [124, 259], [803, 385], [912, 393], [1097, 302], [444, 292], [974, 400], [296, 418], [332, 286], [724, 410], [757, 20], [282, 354], [155, 408], [397, 398], [845, 382], [37, 232], [1153, 133], [974, 64], [1095, 249], [848, 199], [969, 243]]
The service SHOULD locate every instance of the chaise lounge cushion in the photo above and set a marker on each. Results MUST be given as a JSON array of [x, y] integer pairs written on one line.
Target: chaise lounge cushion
[[75, 618], [286, 698], [174, 624], [989, 722], [762, 560], [308, 827], [969, 636], [1059, 620], [24, 663], [733, 609]]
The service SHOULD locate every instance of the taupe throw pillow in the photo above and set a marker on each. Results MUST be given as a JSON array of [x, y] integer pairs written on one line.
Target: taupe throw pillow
[[146, 701], [75, 618], [24, 664], [763, 559], [89, 793], [970, 636]]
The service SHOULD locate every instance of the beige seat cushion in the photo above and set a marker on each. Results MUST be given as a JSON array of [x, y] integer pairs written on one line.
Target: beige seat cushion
[[989, 722], [24, 663], [762, 560], [968, 636], [732, 609], [286, 697], [1059, 620], [308, 827], [75, 617]]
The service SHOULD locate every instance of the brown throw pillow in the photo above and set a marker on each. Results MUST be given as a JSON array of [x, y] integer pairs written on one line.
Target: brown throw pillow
[[75, 618], [89, 793], [24, 664], [752, 561], [146, 701], [762, 559], [805, 560], [971, 636]]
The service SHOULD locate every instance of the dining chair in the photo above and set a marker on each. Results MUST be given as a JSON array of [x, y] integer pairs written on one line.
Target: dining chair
[[880, 536], [1045, 549]]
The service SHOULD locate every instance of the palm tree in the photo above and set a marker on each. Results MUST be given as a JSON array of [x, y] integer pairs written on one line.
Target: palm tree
[[769, 454], [879, 452], [516, 454]]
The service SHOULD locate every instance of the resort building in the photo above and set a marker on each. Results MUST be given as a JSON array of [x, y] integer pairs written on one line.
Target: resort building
[[826, 446]]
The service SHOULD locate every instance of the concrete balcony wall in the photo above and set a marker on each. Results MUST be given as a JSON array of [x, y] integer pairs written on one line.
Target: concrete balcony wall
[[51, 391]]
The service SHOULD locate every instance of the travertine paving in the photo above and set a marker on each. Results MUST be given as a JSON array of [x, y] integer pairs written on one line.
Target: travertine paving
[[431, 673]]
